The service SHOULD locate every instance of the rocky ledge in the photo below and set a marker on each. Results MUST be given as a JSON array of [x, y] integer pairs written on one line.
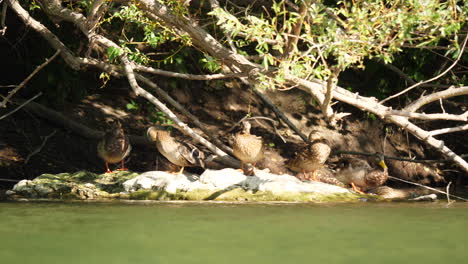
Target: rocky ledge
[[222, 185]]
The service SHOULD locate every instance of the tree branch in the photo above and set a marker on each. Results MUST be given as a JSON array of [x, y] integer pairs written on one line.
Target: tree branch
[[66, 54], [21, 106], [431, 79], [448, 130], [450, 92], [422, 116], [25, 81], [206, 77]]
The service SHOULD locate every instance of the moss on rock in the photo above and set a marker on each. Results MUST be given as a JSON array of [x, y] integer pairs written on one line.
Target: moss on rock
[[87, 185]]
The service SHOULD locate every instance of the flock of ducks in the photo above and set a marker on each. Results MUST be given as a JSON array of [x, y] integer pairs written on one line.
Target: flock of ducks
[[114, 147]]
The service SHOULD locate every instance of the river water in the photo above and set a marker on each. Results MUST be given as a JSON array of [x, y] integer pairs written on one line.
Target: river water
[[80, 232]]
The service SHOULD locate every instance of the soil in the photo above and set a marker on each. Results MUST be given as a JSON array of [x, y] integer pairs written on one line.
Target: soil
[[30, 145]]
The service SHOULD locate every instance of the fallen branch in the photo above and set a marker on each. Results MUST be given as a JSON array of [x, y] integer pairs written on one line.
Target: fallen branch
[[79, 20], [209, 44], [118, 72]]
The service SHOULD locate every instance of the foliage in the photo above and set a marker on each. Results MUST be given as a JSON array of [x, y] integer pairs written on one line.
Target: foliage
[[344, 34]]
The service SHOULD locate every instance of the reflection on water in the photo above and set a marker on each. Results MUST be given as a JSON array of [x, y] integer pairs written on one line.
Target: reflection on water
[[232, 233]]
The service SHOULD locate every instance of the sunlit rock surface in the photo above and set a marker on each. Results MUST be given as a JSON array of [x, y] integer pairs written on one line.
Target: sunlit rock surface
[[225, 185]]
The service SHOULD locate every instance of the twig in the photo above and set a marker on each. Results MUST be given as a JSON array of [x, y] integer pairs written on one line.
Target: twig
[[21, 106], [447, 189], [181, 125], [3, 17], [54, 41], [272, 122], [422, 116], [25, 81], [431, 79], [331, 82], [447, 93], [406, 77], [448, 130], [427, 187], [387, 157], [8, 180], [95, 13], [189, 76], [280, 114], [255, 118], [40, 147]]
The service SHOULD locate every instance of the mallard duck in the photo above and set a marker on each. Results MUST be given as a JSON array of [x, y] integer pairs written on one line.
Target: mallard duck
[[360, 175], [180, 153], [114, 146], [246, 147], [311, 157]]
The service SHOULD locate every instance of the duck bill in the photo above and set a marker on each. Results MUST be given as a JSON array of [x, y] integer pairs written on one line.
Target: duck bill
[[382, 164]]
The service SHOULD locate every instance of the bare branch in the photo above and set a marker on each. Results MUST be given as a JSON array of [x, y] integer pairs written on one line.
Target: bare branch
[[331, 82], [181, 125], [21, 106], [66, 54], [95, 13], [292, 40], [119, 72], [2, 19], [431, 79], [37, 150], [448, 130], [427, 187], [189, 76], [279, 113], [406, 77], [450, 92], [25, 81], [422, 116]]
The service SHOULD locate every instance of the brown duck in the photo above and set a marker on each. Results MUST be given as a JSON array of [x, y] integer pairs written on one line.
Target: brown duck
[[362, 176], [114, 146], [246, 147], [311, 157], [180, 153]]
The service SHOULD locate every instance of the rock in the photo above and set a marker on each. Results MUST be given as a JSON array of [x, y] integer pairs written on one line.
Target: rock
[[159, 180], [225, 184], [222, 179]]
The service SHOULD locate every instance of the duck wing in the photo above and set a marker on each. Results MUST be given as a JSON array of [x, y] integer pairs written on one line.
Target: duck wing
[[191, 154]]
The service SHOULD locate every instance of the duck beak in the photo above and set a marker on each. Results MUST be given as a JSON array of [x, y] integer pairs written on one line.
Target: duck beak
[[382, 164]]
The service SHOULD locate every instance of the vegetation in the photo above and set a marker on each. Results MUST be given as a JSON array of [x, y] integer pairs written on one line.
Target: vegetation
[[290, 44]]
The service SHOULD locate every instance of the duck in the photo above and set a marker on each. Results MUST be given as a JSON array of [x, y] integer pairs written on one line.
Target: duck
[[312, 157], [247, 148], [362, 176], [180, 153], [114, 146]]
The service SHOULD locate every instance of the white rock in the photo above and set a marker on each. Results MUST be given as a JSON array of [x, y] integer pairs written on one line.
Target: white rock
[[226, 179], [23, 186], [158, 180], [223, 179]]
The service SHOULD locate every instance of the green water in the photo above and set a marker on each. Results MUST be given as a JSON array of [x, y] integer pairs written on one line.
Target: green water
[[229, 233]]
